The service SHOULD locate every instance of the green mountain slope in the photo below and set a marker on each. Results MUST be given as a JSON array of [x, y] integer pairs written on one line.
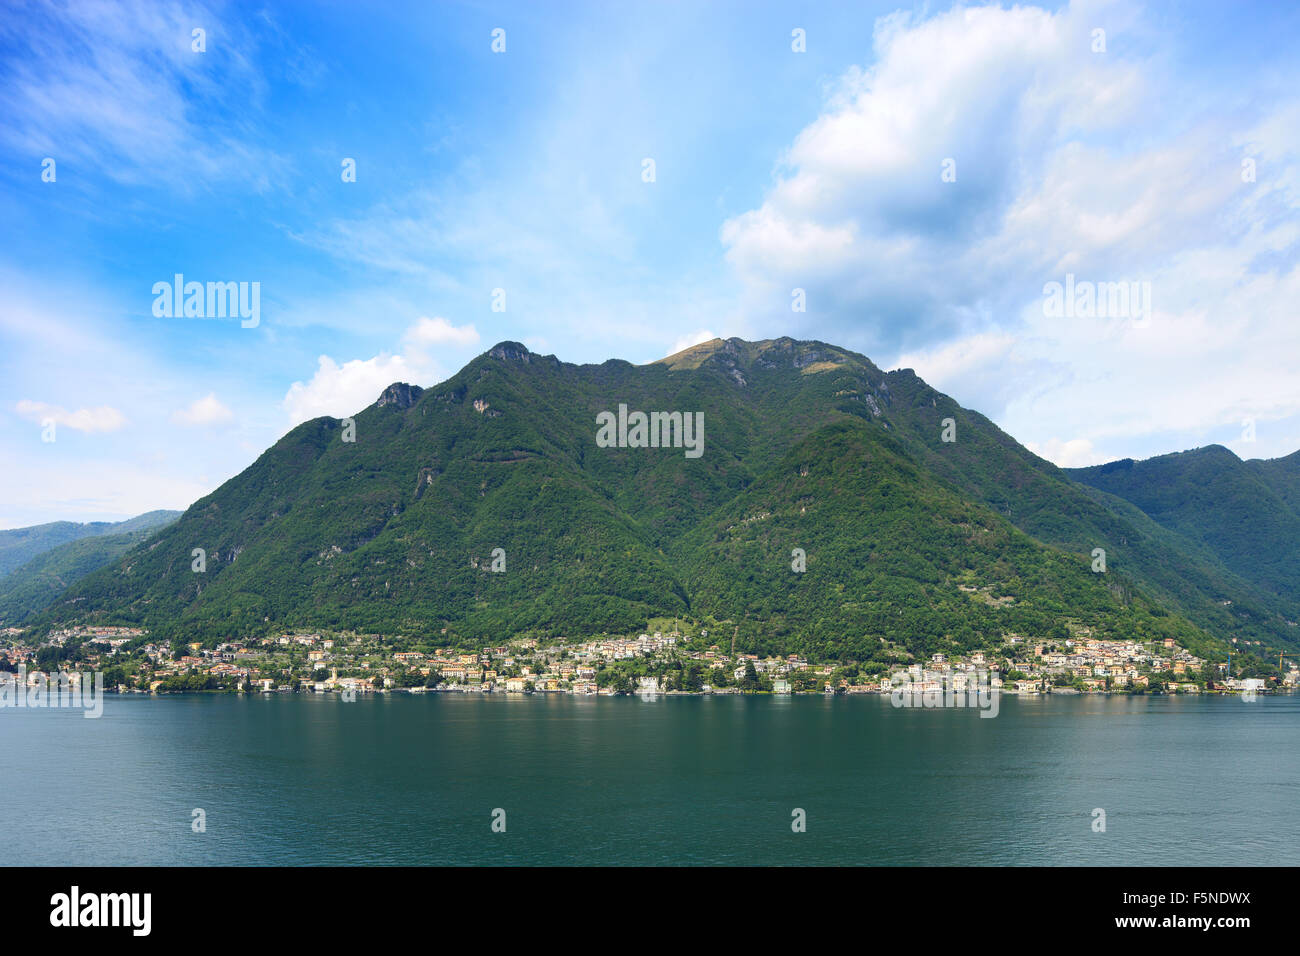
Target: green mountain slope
[[911, 541], [1043, 500], [893, 554], [1245, 512]]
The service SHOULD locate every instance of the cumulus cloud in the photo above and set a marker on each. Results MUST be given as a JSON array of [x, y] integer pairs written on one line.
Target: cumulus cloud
[[861, 214], [207, 410], [341, 389], [1049, 181], [105, 418]]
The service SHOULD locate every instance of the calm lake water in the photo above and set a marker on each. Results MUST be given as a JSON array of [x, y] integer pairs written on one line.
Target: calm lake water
[[414, 780]]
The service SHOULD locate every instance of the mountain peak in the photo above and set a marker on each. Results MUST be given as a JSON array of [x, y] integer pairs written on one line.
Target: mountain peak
[[1214, 451], [510, 352], [693, 355], [765, 353], [400, 394]]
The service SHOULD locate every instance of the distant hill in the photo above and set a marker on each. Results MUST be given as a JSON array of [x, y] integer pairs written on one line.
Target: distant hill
[[912, 543], [20, 545], [1246, 512], [30, 588], [33, 587]]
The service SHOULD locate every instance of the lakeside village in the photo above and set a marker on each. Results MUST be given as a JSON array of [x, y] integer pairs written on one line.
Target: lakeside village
[[648, 664]]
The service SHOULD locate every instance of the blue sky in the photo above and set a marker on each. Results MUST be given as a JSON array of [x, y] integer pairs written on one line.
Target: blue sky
[[523, 171]]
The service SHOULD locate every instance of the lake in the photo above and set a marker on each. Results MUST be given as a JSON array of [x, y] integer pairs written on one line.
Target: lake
[[400, 779]]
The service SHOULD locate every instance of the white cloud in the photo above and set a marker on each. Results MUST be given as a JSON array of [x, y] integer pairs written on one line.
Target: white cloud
[[339, 390], [947, 277], [1074, 453], [116, 85], [860, 215], [104, 418], [207, 410], [438, 331], [693, 338]]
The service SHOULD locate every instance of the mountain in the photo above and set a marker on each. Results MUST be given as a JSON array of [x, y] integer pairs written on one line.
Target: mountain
[[912, 542], [34, 586], [1246, 512], [20, 545]]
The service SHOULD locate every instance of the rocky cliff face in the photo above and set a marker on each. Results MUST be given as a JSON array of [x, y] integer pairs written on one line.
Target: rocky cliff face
[[511, 352], [400, 394]]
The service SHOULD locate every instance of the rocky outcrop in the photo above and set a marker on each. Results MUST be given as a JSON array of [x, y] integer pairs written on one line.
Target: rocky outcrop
[[511, 352], [400, 394]]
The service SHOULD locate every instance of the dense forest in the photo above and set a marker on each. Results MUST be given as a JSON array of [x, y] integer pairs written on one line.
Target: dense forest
[[836, 510]]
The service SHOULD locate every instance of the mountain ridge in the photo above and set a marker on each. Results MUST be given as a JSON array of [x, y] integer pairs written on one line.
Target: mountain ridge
[[20, 545], [1246, 511], [394, 530]]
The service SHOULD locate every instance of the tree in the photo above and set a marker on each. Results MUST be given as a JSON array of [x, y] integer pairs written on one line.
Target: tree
[[693, 678]]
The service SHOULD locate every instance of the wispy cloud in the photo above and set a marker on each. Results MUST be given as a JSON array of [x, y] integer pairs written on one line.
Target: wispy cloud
[[119, 91], [207, 410], [104, 418]]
